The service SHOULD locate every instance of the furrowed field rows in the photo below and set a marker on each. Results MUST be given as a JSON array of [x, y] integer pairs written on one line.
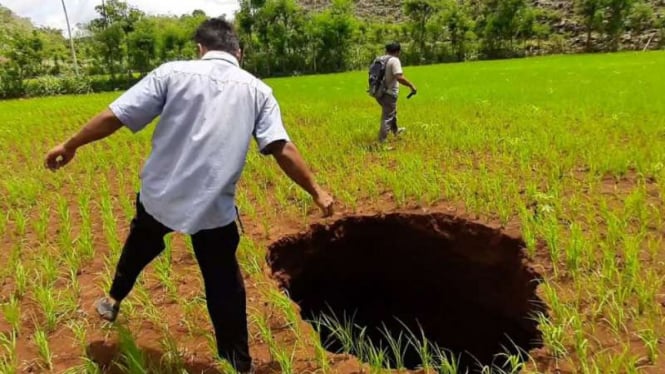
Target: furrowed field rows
[[567, 151]]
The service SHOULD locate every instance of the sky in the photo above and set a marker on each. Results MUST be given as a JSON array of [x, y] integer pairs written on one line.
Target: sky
[[49, 12]]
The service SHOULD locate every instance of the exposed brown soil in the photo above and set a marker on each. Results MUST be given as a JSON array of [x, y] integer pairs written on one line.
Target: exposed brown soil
[[196, 353], [466, 285]]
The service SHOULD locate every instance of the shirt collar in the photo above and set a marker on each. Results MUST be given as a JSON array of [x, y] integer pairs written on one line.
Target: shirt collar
[[221, 55]]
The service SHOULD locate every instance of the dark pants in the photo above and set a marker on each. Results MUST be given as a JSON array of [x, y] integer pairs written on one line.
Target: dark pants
[[215, 251], [388, 116]]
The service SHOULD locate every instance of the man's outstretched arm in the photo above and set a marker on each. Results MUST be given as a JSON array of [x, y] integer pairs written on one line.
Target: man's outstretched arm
[[291, 162], [99, 127], [402, 80]]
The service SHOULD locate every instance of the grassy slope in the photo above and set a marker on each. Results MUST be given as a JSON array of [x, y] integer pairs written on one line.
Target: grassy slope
[[570, 148]]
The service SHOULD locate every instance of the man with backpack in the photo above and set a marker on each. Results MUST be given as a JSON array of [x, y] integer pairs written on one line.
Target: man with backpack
[[385, 76]]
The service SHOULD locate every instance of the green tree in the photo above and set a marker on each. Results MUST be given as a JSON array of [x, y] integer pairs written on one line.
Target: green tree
[[331, 37], [26, 54], [420, 12], [591, 14], [502, 22], [280, 27], [617, 12], [459, 24], [641, 18], [142, 46], [117, 20]]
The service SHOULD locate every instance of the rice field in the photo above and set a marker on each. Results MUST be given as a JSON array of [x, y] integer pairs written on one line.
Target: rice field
[[569, 151]]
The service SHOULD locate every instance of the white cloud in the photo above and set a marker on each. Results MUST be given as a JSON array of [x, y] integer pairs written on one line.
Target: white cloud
[[49, 12]]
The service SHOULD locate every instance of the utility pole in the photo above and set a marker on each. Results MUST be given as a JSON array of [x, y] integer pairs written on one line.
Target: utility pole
[[71, 40]]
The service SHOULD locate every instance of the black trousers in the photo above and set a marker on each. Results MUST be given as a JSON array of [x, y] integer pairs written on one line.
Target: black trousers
[[215, 251]]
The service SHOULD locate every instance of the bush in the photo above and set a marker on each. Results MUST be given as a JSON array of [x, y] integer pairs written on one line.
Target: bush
[[11, 85], [72, 84], [49, 85], [43, 86], [104, 83]]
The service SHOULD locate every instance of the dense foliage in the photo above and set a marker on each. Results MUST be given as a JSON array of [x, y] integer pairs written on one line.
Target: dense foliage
[[281, 37]]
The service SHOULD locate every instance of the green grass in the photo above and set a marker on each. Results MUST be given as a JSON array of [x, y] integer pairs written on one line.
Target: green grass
[[570, 148]]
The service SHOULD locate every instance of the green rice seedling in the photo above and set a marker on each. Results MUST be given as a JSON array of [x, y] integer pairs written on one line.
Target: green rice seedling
[[21, 279], [64, 221], [340, 330], [79, 330], [8, 366], [553, 335], [20, 222], [47, 273], [133, 358], [285, 358], [320, 352], [615, 315], [127, 207], [512, 364], [163, 268], [375, 355], [397, 346], [551, 232], [46, 300], [150, 312], [74, 284], [109, 222], [88, 367], [41, 340], [651, 341], [9, 357], [283, 303], [42, 223], [11, 310], [84, 243], [73, 262], [172, 360], [426, 349], [251, 264], [528, 232], [646, 289], [577, 252], [261, 322], [3, 223], [448, 363]]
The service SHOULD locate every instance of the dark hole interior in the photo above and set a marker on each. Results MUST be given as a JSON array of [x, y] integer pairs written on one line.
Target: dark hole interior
[[464, 285]]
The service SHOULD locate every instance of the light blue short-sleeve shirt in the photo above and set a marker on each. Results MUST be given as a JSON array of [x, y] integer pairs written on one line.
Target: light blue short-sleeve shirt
[[209, 110]]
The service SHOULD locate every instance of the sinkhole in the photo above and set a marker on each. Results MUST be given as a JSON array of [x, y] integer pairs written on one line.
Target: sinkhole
[[464, 286]]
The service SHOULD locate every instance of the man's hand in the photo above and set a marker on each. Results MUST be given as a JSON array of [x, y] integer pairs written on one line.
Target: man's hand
[[325, 202], [101, 126], [290, 161], [59, 157], [413, 92]]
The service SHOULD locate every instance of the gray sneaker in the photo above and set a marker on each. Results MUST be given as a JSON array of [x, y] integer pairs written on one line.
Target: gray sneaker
[[400, 130], [107, 309]]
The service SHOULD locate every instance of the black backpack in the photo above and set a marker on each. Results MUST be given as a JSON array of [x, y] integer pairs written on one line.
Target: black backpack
[[377, 74]]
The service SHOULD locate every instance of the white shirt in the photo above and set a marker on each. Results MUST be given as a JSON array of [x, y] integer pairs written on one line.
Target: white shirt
[[210, 109], [393, 68]]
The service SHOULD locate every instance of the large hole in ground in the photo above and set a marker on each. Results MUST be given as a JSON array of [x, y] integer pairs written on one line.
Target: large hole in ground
[[464, 285]]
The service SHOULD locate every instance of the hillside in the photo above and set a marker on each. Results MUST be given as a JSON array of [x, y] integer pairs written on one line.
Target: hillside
[[561, 16], [11, 24], [366, 9]]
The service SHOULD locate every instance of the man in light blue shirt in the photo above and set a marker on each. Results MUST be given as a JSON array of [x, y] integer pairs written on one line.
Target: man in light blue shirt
[[209, 110]]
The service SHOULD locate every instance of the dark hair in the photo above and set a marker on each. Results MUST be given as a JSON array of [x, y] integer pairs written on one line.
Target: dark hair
[[393, 47], [217, 34]]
